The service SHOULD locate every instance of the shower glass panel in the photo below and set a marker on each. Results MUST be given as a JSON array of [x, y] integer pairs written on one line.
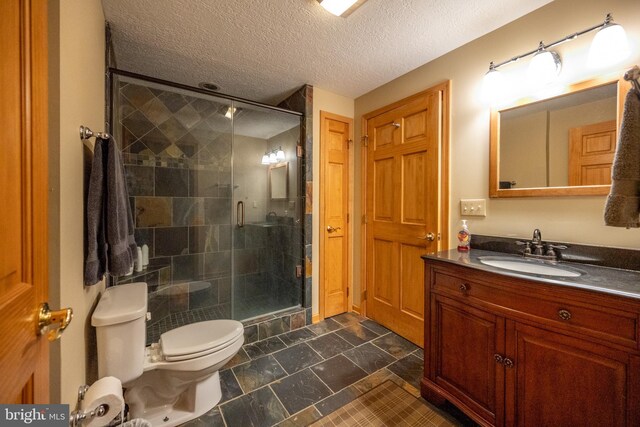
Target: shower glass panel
[[190, 158], [267, 235]]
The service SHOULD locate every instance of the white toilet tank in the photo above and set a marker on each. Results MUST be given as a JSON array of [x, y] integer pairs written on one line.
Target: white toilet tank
[[119, 319]]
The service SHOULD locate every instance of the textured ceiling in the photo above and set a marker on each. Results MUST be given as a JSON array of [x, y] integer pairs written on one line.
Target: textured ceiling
[[264, 49]]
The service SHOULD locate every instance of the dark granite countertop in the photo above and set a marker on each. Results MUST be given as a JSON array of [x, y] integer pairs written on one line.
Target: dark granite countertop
[[595, 278]]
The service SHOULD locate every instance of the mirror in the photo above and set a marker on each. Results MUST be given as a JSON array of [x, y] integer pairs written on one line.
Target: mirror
[[557, 146], [279, 181]]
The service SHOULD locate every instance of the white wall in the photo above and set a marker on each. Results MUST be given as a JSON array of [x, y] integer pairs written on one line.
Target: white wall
[[570, 219], [77, 80], [343, 106]]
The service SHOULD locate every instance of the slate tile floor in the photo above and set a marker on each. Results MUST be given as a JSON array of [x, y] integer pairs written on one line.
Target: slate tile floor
[[298, 377]]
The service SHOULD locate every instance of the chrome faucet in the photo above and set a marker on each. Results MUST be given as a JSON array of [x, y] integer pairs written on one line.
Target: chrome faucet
[[536, 248]]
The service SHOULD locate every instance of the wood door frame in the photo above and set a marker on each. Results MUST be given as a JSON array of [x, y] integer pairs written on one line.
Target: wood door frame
[[347, 232], [443, 161]]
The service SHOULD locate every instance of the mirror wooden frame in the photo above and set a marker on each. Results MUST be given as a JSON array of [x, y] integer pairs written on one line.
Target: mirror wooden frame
[[284, 165], [494, 145]]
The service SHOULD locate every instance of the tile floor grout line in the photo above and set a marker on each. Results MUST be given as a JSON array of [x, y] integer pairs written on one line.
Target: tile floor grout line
[[283, 407]]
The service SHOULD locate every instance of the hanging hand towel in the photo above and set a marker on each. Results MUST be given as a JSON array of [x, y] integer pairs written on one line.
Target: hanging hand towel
[[119, 221], [95, 246], [622, 208], [110, 241]]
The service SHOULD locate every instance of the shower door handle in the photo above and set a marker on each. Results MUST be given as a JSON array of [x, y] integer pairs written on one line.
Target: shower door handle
[[240, 214]]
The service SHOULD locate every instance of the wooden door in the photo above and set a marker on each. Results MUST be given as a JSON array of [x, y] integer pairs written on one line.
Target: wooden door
[[465, 342], [402, 210], [591, 151], [563, 381], [334, 226], [23, 196]]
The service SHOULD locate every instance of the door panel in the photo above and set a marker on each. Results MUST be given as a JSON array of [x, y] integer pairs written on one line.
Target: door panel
[[466, 340], [415, 126], [413, 188], [23, 195], [403, 203], [411, 272], [591, 151], [334, 196], [383, 177], [587, 381], [383, 275]]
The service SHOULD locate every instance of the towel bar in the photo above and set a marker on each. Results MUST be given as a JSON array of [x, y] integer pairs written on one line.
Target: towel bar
[[86, 133]]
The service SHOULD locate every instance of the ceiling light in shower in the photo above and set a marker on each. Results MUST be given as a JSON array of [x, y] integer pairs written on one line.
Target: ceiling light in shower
[[341, 7], [209, 86]]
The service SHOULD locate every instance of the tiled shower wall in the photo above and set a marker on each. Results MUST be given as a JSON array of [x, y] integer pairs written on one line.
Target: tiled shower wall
[[302, 101], [177, 155]]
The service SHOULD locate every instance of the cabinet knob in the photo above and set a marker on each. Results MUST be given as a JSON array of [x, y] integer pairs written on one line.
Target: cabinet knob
[[564, 314], [464, 287], [499, 359], [508, 362]]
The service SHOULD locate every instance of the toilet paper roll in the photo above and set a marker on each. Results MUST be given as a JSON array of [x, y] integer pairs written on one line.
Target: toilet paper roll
[[106, 391]]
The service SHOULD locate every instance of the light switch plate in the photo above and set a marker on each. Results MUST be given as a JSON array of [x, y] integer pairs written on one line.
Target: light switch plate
[[473, 207]]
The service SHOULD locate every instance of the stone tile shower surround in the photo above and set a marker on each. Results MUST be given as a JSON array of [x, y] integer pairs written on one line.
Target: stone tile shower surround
[[177, 151]]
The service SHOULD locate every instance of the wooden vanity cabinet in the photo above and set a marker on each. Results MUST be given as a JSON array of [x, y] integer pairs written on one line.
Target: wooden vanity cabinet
[[513, 352]]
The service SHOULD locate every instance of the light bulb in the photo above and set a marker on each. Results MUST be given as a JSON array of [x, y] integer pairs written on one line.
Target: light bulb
[[265, 159], [230, 112], [280, 155], [493, 86], [609, 46], [273, 158], [544, 68]]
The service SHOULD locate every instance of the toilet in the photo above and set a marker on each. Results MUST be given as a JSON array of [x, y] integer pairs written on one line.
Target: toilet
[[171, 381]]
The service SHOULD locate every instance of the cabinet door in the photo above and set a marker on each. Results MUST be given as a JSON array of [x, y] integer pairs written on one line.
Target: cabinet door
[[465, 342], [564, 381]]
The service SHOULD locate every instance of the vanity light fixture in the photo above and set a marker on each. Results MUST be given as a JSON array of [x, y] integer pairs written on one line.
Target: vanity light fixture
[[341, 7], [608, 47], [273, 157], [230, 112], [544, 67]]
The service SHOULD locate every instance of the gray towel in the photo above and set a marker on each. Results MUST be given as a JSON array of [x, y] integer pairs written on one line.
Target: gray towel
[[110, 243], [119, 220], [95, 246], [622, 208]]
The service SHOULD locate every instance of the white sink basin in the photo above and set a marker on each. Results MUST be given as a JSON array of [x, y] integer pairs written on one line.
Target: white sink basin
[[529, 266]]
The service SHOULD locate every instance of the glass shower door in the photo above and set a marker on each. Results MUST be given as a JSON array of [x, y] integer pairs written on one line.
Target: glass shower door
[[267, 230]]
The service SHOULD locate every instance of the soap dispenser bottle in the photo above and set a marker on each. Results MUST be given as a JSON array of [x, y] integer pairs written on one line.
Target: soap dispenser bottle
[[464, 237]]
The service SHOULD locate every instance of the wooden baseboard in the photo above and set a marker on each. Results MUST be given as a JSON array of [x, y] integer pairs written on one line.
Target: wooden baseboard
[[356, 309], [315, 318]]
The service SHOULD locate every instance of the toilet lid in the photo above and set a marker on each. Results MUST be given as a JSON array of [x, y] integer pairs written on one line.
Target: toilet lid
[[199, 338]]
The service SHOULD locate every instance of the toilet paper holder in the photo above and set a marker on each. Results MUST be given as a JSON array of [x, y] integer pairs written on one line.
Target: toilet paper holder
[[79, 416]]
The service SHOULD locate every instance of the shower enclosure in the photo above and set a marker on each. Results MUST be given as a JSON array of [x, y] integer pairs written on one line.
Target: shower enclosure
[[215, 186]]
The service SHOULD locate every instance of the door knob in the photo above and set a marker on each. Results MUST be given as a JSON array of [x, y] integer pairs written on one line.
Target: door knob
[[330, 229], [46, 318], [429, 236], [396, 125]]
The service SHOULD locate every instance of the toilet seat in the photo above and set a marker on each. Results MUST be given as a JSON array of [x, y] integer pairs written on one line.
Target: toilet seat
[[199, 339]]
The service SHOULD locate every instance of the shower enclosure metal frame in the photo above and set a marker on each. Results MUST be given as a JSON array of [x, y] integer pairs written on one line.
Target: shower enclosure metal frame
[[111, 120]]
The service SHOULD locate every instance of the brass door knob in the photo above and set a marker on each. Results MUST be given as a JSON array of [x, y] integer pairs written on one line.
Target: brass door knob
[[47, 318], [429, 236], [331, 229]]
